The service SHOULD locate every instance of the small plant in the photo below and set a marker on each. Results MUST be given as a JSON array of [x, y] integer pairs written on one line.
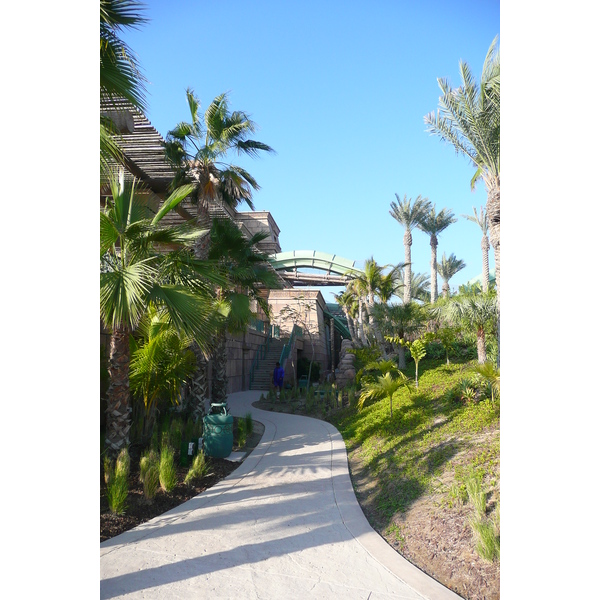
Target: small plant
[[167, 471], [467, 391], [116, 482], [150, 473], [249, 423], [198, 469], [486, 531]]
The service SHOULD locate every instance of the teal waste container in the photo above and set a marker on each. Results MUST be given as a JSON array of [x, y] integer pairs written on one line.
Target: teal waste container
[[218, 434]]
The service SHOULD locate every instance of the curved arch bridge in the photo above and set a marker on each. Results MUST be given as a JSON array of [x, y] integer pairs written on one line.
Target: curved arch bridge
[[336, 269]]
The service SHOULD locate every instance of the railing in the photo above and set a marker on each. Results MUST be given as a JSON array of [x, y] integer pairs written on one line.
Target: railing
[[261, 353], [287, 349]]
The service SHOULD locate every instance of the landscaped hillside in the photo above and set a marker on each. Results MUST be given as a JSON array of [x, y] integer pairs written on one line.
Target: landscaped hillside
[[428, 478]]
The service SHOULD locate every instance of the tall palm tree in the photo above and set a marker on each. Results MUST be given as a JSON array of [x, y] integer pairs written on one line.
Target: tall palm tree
[[409, 216], [482, 221], [447, 268], [433, 223], [469, 118], [120, 75], [137, 273], [354, 288], [199, 152], [247, 272]]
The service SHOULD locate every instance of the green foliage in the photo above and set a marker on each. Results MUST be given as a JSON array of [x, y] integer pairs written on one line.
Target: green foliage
[[150, 473], [486, 531], [167, 470], [408, 454], [198, 469], [116, 479], [304, 366], [364, 356], [176, 433], [245, 427]]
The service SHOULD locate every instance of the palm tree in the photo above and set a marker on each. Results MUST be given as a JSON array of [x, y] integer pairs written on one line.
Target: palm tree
[[447, 268], [380, 386], [367, 286], [474, 311], [419, 286], [433, 224], [247, 272], [354, 288], [161, 364], [469, 118], [198, 150], [409, 216], [120, 76], [482, 221], [136, 275], [402, 321], [390, 284], [348, 303]]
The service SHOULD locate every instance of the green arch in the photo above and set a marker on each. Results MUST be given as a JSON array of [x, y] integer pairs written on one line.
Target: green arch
[[313, 259]]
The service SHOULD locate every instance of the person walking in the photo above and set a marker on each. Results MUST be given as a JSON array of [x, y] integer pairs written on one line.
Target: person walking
[[278, 374]]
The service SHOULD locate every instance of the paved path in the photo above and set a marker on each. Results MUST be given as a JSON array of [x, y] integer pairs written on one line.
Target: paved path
[[284, 525]]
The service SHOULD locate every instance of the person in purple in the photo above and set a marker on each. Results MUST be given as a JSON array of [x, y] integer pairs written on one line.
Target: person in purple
[[278, 374]]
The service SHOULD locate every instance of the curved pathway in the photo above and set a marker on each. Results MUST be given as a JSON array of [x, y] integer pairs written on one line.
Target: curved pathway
[[284, 525]]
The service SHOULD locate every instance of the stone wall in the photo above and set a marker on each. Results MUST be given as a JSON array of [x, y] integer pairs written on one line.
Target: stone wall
[[241, 350]]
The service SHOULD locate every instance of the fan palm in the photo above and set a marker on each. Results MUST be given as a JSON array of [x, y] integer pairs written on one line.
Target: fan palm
[[409, 216], [474, 311], [433, 223], [136, 275], [447, 268], [419, 286], [469, 118], [482, 221], [120, 76]]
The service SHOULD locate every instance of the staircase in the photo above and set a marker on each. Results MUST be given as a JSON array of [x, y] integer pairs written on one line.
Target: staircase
[[263, 374]]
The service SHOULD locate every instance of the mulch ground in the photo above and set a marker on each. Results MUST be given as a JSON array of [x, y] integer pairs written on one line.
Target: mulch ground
[[140, 509]]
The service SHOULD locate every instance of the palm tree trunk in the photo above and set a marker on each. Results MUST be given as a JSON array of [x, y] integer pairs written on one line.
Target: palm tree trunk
[[481, 354], [445, 289], [434, 290], [219, 387], [493, 212], [407, 277], [401, 356], [485, 276], [118, 412], [199, 385]]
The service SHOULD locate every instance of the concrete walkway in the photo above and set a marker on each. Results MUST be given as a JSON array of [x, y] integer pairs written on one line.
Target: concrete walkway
[[284, 525]]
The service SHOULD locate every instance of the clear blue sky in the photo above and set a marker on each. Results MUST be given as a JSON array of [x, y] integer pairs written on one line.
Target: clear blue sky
[[339, 90]]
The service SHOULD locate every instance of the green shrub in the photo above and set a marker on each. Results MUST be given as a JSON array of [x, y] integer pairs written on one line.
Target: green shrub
[[167, 471], [364, 356], [197, 470], [304, 366]]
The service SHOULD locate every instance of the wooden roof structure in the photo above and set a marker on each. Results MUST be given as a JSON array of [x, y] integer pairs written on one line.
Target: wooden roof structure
[[142, 145]]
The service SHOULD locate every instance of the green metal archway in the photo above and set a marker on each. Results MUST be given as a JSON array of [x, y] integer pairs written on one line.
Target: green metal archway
[[332, 264]]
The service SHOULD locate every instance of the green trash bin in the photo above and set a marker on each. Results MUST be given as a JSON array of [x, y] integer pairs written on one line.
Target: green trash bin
[[218, 435]]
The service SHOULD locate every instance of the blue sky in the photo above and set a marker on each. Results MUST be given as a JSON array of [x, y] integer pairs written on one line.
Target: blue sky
[[339, 90]]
